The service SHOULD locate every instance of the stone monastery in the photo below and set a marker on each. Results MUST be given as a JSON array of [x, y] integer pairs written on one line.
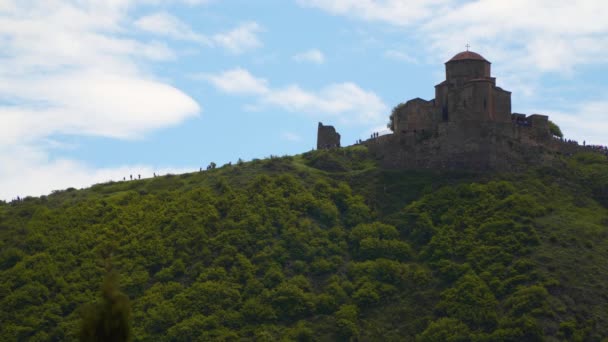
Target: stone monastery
[[468, 125]]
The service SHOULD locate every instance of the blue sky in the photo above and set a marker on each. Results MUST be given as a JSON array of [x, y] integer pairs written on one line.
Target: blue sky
[[95, 90]]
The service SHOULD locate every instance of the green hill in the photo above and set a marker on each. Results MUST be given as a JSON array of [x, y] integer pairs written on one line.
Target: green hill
[[321, 246]]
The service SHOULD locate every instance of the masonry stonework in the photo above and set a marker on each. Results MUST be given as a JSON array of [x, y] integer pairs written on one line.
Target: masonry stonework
[[327, 137], [468, 125]]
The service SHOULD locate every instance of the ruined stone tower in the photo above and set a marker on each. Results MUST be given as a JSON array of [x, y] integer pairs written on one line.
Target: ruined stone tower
[[327, 137]]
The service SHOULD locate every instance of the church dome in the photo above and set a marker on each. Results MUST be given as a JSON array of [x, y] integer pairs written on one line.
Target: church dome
[[467, 55]]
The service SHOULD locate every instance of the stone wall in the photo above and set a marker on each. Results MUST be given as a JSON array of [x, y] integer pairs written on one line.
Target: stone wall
[[468, 125], [473, 146], [327, 137], [416, 115], [502, 104]]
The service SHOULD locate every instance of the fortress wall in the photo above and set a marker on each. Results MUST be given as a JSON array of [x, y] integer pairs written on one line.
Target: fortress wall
[[474, 146], [417, 115], [441, 96], [540, 126], [502, 105], [565, 148]]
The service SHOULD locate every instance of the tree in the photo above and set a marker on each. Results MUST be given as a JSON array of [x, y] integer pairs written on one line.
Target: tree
[[445, 330], [470, 301], [391, 123], [347, 322], [109, 320], [555, 130]]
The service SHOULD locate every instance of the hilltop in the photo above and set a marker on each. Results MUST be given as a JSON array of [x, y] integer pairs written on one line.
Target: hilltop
[[321, 246], [469, 125]]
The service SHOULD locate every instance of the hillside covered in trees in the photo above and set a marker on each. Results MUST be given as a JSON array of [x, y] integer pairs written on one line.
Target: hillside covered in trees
[[322, 246]]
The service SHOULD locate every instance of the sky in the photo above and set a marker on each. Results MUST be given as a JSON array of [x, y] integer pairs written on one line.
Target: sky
[[96, 90]]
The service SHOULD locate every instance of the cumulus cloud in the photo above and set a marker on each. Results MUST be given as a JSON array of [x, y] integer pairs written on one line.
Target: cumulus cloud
[[242, 38], [526, 40], [586, 122], [559, 34], [91, 103], [395, 12], [237, 81], [67, 70], [346, 101], [165, 24], [311, 56], [70, 67]]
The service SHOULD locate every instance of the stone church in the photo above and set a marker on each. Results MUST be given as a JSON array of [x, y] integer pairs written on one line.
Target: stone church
[[468, 125], [469, 93]]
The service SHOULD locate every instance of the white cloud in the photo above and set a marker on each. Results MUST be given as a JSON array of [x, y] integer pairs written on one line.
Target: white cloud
[[165, 24], [92, 103], [345, 101], [237, 81], [196, 2], [312, 56], [67, 70], [559, 34], [71, 67], [395, 12], [240, 39], [33, 174], [525, 40], [587, 122]]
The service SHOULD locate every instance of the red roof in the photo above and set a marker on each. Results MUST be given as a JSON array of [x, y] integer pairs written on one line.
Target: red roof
[[467, 55]]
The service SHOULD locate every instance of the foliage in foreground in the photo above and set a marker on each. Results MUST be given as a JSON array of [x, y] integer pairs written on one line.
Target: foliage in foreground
[[316, 247], [109, 320]]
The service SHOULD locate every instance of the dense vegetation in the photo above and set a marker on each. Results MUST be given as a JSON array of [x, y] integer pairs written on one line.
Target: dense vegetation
[[322, 246]]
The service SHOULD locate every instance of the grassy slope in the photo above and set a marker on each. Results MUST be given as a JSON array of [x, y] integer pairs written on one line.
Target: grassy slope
[[569, 259]]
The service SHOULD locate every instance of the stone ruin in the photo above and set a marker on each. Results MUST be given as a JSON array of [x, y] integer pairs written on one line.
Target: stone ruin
[[468, 125], [327, 137]]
